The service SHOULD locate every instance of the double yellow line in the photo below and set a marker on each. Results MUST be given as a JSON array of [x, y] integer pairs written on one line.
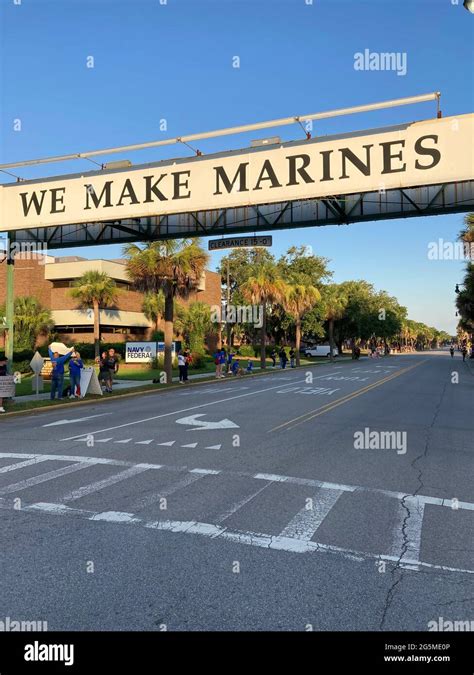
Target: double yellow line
[[311, 414]]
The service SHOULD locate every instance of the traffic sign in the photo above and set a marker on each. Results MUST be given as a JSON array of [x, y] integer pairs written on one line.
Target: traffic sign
[[239, 242]]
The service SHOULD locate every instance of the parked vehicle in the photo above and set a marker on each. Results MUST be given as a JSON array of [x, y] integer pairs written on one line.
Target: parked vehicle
[[320, 350]]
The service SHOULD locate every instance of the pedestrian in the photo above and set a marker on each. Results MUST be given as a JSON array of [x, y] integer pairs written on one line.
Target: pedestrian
[[57, 375], [236, 369], [75, 367], [283, 358], [3, 373], [230, 356], [250, 366], [103, 370], [181, 367], [112, 364], [188, 360], [451, 351], [217, 361], [273, 356], [292, 358], [464, 352], [223, 361]]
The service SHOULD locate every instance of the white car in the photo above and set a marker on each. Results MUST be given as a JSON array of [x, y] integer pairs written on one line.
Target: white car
[[320, 350]]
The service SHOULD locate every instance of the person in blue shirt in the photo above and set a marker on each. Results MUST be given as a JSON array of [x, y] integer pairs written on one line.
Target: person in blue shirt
[[75, 367], [57, 376], [250, 366]]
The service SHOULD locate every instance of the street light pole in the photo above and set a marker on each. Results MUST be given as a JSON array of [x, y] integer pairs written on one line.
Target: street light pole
[[9, 305], [227, 325]]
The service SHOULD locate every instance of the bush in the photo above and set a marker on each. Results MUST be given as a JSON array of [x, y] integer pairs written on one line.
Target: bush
[[157, 336], [22, 367], [254, 350], [198, 360]]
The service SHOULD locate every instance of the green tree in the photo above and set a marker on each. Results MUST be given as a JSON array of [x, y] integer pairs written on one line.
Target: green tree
[[95, 290], [264, 287], [153, 307], [197, 325], [297, 300], [175, 267], [30, 321], [334, 304]]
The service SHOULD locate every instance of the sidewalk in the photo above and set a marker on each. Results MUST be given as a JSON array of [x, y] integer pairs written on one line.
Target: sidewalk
[[118, 385]]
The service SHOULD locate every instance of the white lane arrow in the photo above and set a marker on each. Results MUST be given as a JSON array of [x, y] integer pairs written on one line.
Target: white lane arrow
[[78, 419], [200, 425]]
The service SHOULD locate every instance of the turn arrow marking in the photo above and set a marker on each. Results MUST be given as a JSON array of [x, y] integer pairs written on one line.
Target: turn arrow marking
[[200, 425], [79, 419]]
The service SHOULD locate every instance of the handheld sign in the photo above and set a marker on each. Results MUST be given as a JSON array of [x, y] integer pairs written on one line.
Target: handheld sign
[[7, 386]]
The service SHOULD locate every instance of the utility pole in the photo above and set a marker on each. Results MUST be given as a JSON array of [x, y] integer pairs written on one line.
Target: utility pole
[[227, 325], [9, 305]]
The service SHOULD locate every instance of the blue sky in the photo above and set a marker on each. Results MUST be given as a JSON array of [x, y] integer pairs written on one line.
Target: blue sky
[[173, 61]]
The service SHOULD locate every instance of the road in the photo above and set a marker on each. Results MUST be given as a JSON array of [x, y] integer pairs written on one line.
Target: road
[[248, 504]]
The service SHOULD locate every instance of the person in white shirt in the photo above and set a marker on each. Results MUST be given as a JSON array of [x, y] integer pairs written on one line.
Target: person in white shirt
[[182, 367]]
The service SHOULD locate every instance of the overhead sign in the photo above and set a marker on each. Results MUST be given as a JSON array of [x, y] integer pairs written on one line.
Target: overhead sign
[[422, 153], [239, 242]]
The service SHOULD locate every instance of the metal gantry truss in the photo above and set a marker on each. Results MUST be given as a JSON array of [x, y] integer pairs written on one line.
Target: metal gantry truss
[[428, 200]]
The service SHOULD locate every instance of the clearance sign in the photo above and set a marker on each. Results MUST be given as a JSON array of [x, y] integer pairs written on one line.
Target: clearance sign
[[422, 153]]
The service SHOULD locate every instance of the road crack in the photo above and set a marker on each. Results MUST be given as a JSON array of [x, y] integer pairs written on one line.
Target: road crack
[[398, 572]]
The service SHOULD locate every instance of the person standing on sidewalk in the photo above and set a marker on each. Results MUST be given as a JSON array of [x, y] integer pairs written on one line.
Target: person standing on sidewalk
[[3, 373], [57, 376], [273, 357], [112, 364], [464, 352], [292, 358], [188, 360], [223, 361], [181, 367], [217, 361], [75, 367], [451, 351]]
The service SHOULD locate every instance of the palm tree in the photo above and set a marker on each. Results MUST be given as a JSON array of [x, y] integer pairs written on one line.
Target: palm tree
[[95, 290], [196, 325], [153, 307], [263, 288], [31, 320], [334, 305], [298, 300], [174, 267]]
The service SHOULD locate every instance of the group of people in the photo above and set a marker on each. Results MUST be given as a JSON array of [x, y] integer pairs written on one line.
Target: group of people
[[184, 361], [227, 364], [108, 363], [464, 351], [58, 361], [282, 355]]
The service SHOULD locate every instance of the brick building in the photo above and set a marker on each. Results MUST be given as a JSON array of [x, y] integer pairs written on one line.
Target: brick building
[[49, 280]]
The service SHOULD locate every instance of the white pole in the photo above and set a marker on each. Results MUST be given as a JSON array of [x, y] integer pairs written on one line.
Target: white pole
[[231, 130]]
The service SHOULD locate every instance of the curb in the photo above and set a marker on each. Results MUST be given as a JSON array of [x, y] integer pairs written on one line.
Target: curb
[[129, 394]]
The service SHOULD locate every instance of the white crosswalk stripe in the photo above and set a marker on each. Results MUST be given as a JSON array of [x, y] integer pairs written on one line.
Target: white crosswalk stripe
[[305, 524], [42, 478], [20, 465], [105, 483], [298, 535]]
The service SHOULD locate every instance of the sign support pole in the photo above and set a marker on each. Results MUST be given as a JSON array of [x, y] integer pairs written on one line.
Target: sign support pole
[[10, 312]]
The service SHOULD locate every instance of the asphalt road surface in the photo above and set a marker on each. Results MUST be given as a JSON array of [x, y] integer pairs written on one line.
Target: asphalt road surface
[[257, 503]]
